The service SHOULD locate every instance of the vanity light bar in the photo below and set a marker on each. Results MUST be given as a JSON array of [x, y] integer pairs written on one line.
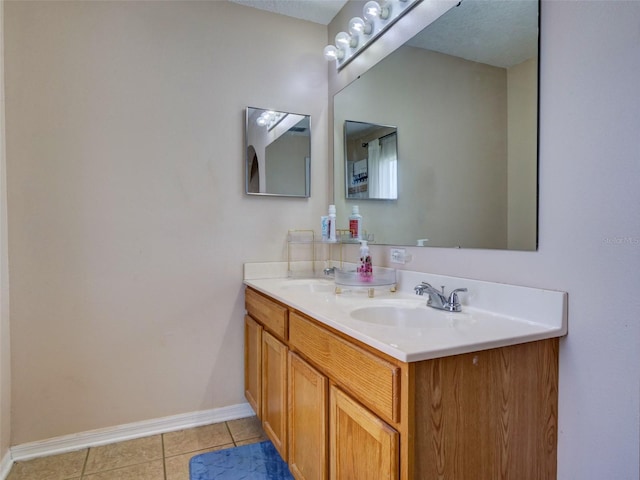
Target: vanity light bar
[[376, 20], [270, 118]]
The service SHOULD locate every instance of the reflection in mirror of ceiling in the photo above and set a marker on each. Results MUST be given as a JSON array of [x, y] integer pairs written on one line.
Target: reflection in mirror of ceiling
[[303, 127], [498, 33]]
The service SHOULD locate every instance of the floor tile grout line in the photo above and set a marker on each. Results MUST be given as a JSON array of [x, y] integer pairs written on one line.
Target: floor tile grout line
[[135, 463], [120, 468], [164, 457], [233, 439], [203, 450], [84, 464], [113, 469]]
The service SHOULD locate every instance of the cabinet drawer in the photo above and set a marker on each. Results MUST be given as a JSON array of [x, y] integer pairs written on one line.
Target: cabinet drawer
[[374, 381], [270, 314]]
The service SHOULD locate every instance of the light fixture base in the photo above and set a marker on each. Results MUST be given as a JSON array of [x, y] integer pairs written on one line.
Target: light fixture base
[[362, 33]]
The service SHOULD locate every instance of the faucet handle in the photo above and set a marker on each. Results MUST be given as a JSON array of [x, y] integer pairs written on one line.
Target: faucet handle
[[454, 303], [425, 286], [329, 271]]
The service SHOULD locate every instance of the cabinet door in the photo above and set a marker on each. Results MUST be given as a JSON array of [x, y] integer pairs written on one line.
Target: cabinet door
[[274, 391], [362, 446], [252, 364], [307, 420]]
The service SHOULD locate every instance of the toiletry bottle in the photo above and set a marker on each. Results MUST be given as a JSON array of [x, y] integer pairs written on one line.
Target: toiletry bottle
[[355, 223], [332, 223], [365, 269], [324, 228]]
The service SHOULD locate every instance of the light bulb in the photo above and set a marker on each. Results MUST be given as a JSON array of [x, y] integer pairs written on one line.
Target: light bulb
[[358, 26], [333, 53], [261, 121], [344, 41], [371, 11]]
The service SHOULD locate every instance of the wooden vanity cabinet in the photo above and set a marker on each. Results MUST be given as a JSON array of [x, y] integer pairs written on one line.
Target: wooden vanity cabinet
[[253, 364], [266, 332], [274, 391], [356, 413], [491, 414], [362, 446], [308, 397]]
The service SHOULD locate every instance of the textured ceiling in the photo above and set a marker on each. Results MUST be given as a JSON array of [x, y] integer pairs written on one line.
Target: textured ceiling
[[496, 32], [317, 11]]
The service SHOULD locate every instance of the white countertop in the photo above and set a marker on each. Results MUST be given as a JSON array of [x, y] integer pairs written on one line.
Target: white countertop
[[493, 315]]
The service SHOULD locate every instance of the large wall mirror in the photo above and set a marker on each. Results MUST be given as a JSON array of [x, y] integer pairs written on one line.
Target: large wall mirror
[[278, 153], [464, 96]]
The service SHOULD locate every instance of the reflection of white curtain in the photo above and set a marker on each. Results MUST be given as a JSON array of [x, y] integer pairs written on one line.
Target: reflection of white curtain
[[383, 167]]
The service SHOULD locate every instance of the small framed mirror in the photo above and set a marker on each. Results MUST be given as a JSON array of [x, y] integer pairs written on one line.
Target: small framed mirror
[[278, 153], [371, 161]]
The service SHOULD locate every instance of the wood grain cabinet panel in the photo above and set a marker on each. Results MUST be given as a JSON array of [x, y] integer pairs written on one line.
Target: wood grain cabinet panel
[[374, 381], [490, 414], [362, 447], [274, 392], [270, 314], [308, 396], [253, 364]]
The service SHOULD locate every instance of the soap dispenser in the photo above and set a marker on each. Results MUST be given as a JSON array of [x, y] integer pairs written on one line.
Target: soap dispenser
[[365, 269]]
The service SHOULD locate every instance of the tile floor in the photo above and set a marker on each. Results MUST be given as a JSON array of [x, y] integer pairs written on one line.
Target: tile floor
[[159, 457]]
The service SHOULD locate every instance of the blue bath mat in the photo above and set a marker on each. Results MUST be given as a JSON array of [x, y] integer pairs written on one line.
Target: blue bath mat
[[257, 461]]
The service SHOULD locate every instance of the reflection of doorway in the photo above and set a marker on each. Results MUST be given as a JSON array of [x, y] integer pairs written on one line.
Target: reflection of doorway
[[253, 171]]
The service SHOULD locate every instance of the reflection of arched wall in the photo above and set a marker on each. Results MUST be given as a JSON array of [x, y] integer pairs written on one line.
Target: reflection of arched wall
[[253, 171]]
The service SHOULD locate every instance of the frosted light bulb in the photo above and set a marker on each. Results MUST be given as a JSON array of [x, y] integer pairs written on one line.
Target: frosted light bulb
[[358, 26], [333, 53], [371, 11], [344, 41]]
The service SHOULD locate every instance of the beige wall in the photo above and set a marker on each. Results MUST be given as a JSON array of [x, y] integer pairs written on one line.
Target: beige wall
[[522, 86], [5, 343], [128, 223]]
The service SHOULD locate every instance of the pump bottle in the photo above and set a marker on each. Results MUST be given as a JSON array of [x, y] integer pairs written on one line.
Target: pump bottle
[[365, 269]]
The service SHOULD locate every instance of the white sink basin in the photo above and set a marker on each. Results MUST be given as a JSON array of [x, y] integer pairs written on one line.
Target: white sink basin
[[406, 316]]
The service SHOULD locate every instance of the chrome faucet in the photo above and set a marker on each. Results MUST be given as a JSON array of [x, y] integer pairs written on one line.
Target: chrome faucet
[[437, 299], [328, 272]]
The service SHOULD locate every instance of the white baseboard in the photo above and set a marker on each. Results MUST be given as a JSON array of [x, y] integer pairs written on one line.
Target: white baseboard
[[129, 431], [5, 465]]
